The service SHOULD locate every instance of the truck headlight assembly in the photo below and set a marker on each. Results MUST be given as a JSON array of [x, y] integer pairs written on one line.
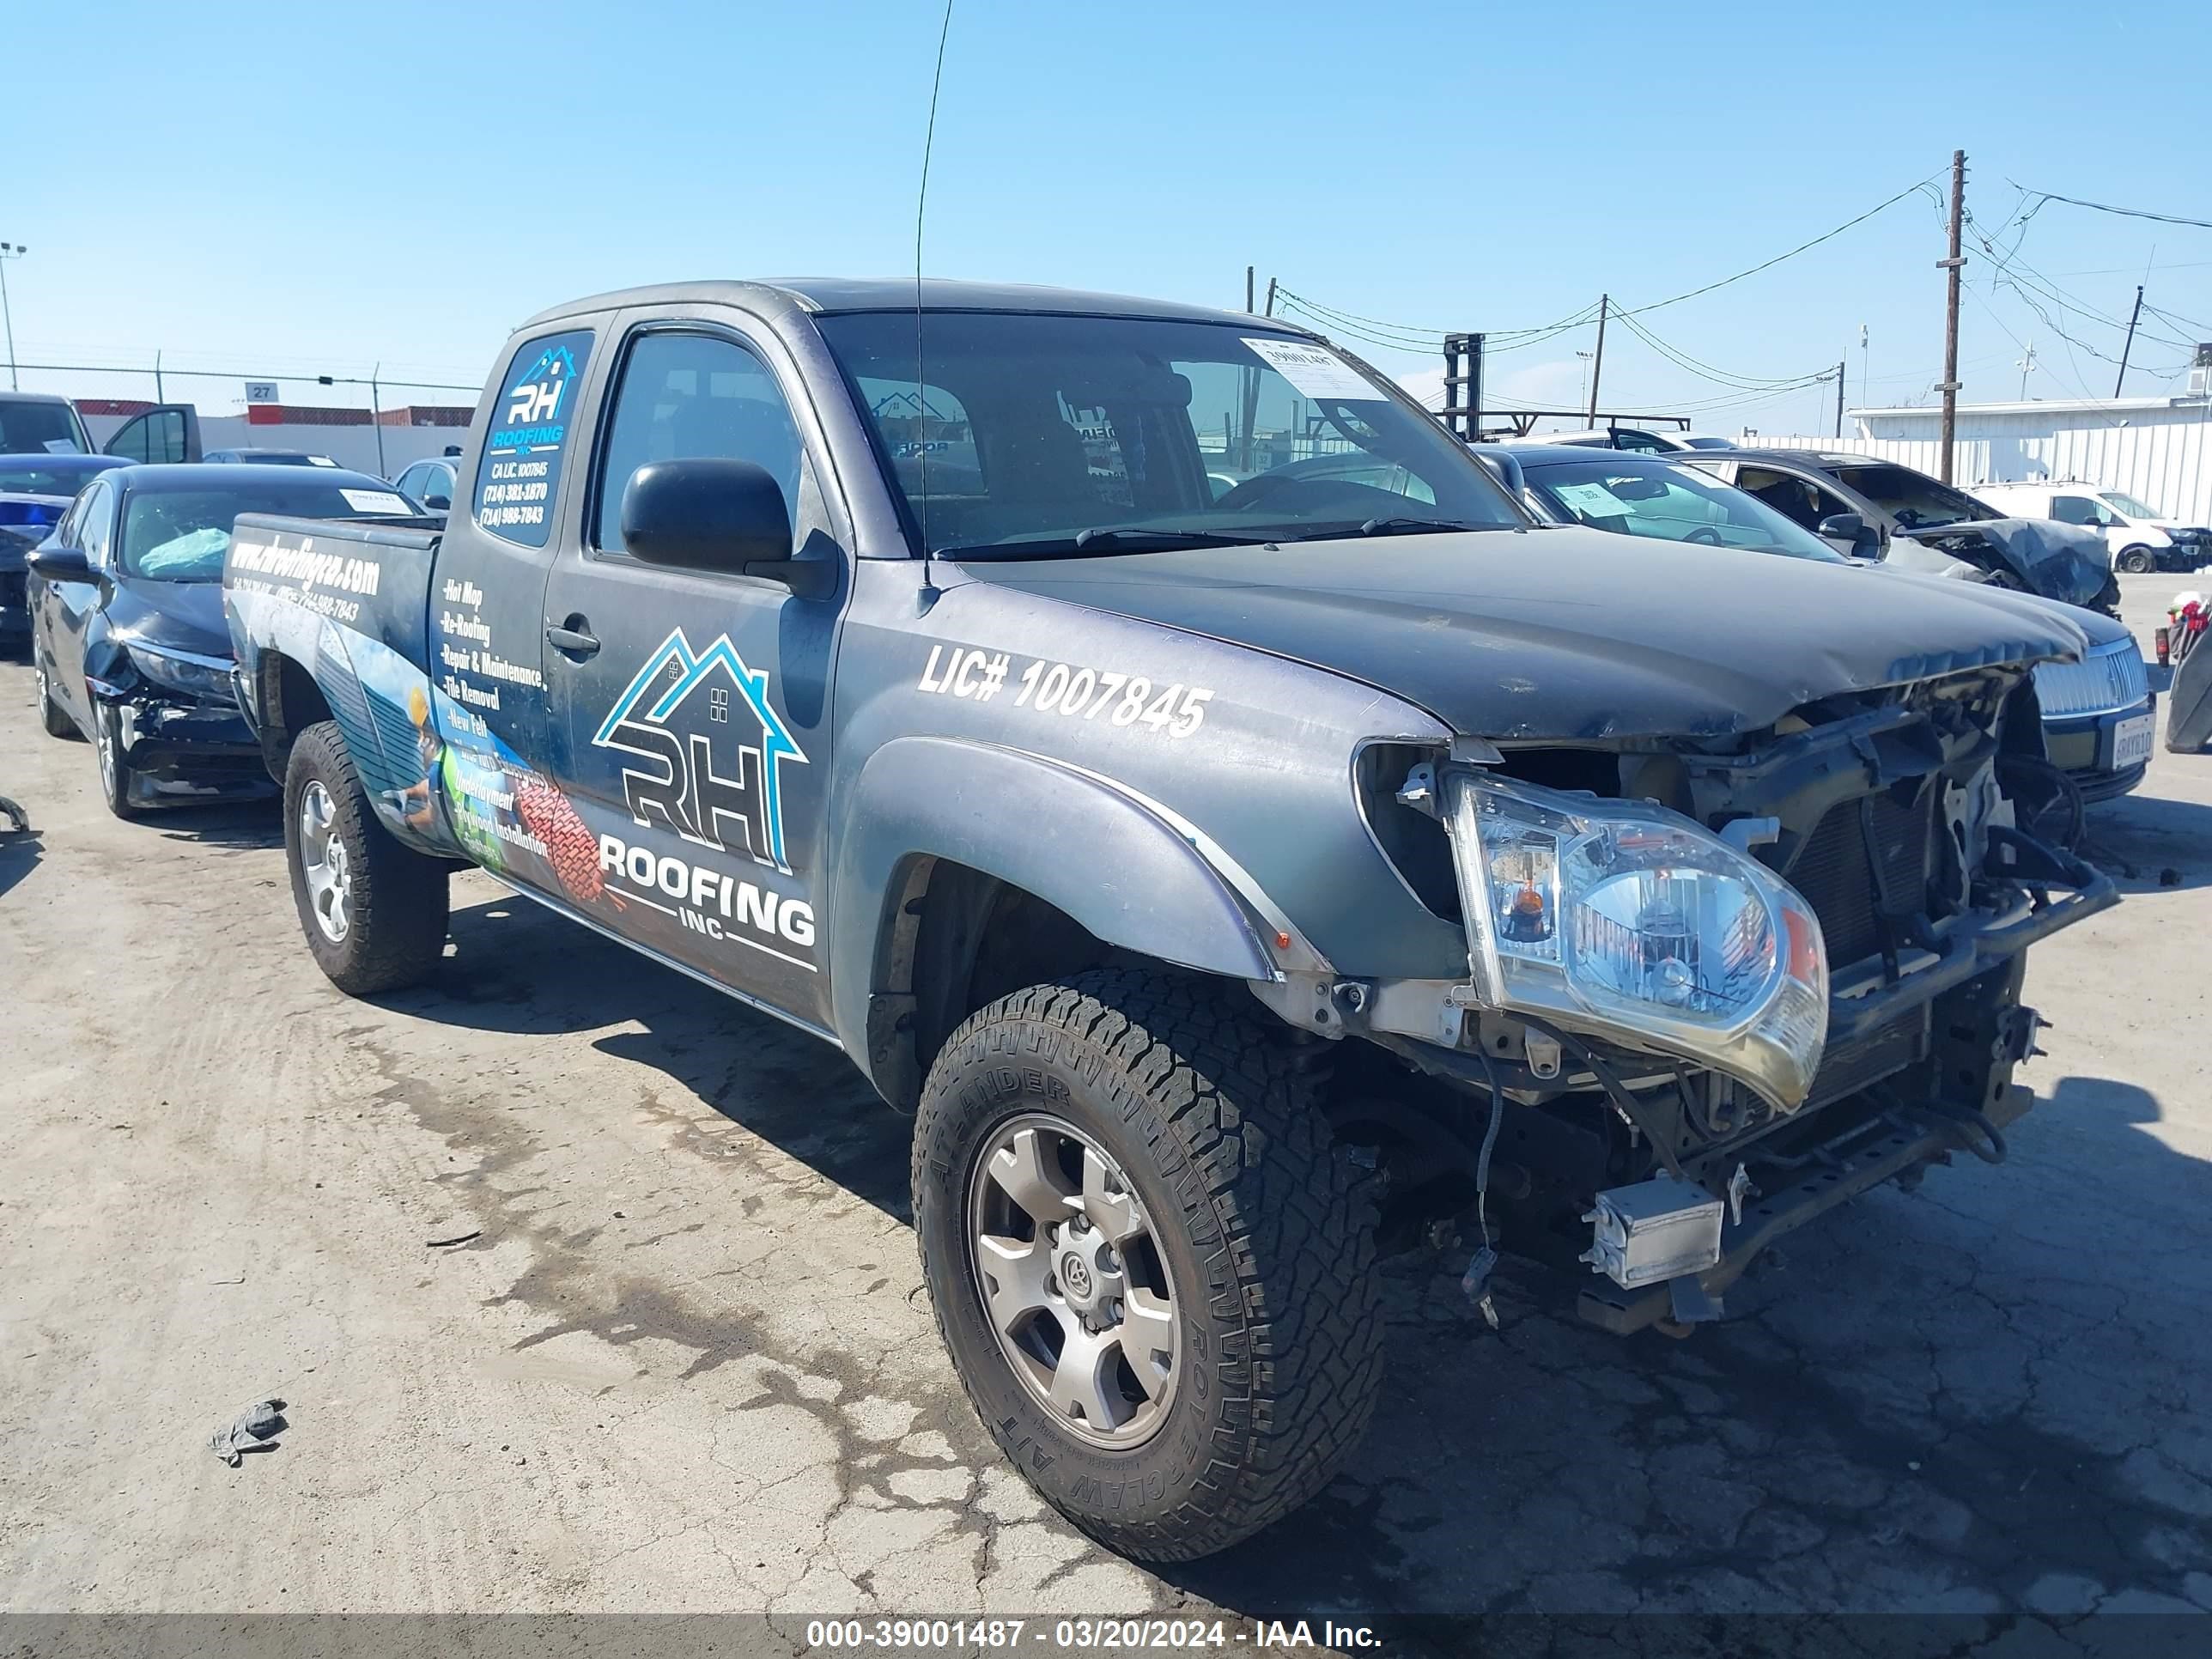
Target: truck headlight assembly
[[184, 671], [1634, 922]]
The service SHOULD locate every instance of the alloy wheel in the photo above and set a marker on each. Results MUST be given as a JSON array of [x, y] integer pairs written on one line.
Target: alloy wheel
[[1072, 1281], [324, 862]]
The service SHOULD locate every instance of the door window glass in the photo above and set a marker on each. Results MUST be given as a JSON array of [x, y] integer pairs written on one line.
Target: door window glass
[[2078, 509], [158, 436], [94, 528], [519, 478], [688, 396], [1788, 495]]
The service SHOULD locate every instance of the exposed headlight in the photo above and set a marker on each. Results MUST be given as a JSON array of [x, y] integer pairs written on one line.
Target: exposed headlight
[[1635, 922], [187, 672]]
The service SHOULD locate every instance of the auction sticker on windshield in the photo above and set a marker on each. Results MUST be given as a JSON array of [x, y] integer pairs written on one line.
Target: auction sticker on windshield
[[1313, 370]]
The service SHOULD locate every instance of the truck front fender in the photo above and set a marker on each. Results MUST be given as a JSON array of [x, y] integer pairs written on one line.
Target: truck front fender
[[1112, 861]]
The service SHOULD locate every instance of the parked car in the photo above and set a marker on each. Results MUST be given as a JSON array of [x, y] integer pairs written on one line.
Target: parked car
[[1651, 440], [35, 490], [430, 482], [1158, 850], [129, 642], [250, 457], [39, 422], [55, 476], [1876, 508], [2140, 538], [2100, 717]]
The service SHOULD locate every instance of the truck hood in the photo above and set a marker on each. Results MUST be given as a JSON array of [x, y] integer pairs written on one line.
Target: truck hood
[[1565, 634]]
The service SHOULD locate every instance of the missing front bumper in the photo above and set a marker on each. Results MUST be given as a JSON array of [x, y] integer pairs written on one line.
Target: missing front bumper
[[1901, 1142]]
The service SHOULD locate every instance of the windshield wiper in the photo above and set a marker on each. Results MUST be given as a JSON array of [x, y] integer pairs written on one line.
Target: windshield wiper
[[1098, 543], [1390, 526]]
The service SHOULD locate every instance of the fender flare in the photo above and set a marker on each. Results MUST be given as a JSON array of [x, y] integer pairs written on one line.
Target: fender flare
[[1111, 860]]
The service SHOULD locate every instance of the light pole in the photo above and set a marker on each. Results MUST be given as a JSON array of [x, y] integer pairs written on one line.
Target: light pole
[[9, 251], [1581, 392]]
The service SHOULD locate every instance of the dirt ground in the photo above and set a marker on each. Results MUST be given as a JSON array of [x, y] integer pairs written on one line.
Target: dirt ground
[[683, 1361]]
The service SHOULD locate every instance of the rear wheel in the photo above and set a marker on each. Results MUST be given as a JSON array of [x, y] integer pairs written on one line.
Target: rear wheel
[[52, 715], [1152, 1269], [374, 912]]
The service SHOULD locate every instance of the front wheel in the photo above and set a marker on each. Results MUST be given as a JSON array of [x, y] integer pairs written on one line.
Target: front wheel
[[2136, 561], [117, 782], [1152, 1269], [374, 912]]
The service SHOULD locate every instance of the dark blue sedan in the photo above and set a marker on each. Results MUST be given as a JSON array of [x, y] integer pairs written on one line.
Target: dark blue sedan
[[35, 490], [128, 637]]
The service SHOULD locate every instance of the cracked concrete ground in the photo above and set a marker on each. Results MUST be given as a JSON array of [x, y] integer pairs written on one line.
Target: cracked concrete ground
[[684, 1362]]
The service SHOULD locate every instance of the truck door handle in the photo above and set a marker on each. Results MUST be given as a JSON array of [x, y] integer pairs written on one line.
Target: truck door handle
[[574, 638]]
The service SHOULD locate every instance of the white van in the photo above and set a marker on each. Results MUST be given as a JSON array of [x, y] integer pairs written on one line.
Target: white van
[[2140, 538]]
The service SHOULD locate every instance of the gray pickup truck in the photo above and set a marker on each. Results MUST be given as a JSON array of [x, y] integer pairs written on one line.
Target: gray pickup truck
[[1164, 760]]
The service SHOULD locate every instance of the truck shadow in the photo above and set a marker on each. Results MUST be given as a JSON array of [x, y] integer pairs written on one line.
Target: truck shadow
[[1972, 1388], [1924, 1400], [19, 855], [794, 1091], [2141, 841]]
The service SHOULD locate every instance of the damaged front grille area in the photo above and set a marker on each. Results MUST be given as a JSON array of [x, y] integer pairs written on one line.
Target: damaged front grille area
[[1866, 862]]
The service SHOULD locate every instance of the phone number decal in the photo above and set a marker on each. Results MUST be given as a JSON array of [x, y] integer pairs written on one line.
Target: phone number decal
[[1067, 689]]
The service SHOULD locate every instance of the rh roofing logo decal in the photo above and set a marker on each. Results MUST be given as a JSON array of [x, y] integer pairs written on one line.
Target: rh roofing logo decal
[[681, 740], [537, 397]]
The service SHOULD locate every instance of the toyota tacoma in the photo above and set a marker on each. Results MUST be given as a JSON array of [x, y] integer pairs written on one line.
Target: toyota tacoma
[[1237, 864]]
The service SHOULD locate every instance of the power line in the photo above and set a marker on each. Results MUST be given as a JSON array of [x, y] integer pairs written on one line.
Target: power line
[[2043, 196], [1719, 376], [1768, 265]]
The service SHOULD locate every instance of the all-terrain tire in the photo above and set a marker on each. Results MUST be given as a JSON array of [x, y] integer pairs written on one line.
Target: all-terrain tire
[[1266, 1238], [397, 898], [53, 717]]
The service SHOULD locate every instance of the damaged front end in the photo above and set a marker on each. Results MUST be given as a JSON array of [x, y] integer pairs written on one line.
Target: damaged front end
[[1713, 990], [177, 735], [2057, 561]]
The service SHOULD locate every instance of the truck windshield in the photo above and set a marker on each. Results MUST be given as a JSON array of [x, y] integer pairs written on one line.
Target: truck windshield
[[1632, 496], [30, 428], [181, 535], [1034, 436]]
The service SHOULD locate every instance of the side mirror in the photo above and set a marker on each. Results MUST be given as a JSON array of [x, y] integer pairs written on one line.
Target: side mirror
[[707, 513], [60, 564], [438, 503], [1865, 539]]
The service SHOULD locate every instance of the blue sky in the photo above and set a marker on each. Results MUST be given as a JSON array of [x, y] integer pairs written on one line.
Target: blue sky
[[299, 189]]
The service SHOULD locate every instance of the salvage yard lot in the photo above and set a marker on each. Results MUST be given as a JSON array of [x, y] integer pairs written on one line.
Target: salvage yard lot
[[682, 1360]]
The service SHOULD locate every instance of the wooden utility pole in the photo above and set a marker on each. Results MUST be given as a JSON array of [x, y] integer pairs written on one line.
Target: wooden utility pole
[[1248, 290], [1597, 359], [1952, 266], [1839, 400], [1271, 297], [2134, 316]]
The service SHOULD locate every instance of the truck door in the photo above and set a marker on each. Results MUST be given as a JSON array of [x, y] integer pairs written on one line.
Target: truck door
[[697, 705], [165, 433], [487, 754]]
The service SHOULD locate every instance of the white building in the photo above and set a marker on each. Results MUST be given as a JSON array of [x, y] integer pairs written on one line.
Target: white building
[[2157, 449]]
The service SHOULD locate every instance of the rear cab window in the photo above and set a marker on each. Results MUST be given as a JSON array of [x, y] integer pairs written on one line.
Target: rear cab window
[[519, 476]]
